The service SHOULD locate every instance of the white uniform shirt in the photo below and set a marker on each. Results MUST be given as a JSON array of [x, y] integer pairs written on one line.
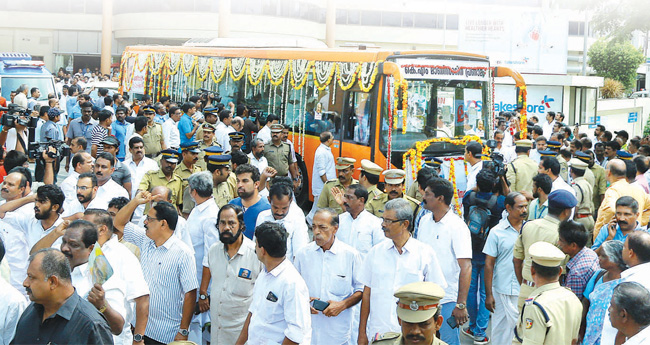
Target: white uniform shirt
[[108, 191], [361, 233], [332, 275], [265, 134], [171, 135], [231, 292], [280, 307], [451, 240], [203, 231], [640, 338], [296, 228], [385, 270], [260, 164], [323, 165], [18, 256], [126, 266], [472, 171], [12, 305], [221, 134], [114, 293]]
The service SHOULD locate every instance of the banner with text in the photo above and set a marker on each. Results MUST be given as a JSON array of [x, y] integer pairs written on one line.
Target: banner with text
[[443, 69], [540, 99]]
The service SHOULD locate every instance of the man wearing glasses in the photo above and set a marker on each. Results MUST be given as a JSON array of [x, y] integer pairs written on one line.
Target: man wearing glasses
[[391, 264]]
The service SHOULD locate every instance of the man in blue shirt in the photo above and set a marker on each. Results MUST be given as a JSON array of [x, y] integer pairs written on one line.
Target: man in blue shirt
[[248, 180], [49, 130], [83, 126], [122, 130], [73, 106], [187, 126], [627, 213]]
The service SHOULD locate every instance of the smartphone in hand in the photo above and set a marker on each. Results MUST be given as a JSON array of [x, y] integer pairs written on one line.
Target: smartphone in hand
[[319, 305]]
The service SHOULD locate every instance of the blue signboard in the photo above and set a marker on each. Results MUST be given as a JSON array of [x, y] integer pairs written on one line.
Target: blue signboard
[[633, 117]]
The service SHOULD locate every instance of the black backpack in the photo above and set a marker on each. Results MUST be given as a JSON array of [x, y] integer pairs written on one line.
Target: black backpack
[[479, 215]]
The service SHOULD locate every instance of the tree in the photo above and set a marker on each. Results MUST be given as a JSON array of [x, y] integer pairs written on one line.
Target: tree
[[616, 60]]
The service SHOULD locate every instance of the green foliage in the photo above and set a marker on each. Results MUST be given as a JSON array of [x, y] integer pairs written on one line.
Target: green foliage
[[612, 89], [615, 60], [646, 129]]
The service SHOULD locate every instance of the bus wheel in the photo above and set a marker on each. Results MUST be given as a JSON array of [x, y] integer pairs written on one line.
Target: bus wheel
[[302, 192]]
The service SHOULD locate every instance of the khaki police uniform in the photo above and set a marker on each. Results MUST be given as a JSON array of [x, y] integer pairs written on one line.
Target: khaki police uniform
[[326, 200], [152, 140], [184, 172], [373, 192], [600, 186], [584, 193], [376, 205], [278, 157], [418, 302], [521, 171], [414, 191], [223, 193], [201, 162], [553, 313], [157, 178], [371, 168], [564, 168]]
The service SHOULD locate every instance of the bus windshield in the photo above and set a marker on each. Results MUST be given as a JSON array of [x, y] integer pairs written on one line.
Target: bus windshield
[[11, 83]]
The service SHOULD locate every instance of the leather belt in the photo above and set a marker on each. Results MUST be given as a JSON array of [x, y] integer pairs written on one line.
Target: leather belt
[[529, 283], [585, 215]]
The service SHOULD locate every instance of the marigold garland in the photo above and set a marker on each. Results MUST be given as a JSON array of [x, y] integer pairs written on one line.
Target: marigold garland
[[452, 178], [352, 76], [371, 81], [415, 155], [405, 105], [523, 123]]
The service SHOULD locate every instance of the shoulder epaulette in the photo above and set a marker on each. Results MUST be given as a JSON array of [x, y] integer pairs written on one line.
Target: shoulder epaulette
[[385, 336]]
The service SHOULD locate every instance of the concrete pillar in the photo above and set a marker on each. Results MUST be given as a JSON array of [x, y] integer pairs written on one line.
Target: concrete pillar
[[224, 18], [330, 24], [107, 35]]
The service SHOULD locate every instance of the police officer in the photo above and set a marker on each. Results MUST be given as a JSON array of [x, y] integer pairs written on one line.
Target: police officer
[[418, 312], [211, 116], [219, 166], [394, 189], [601, 181], [553, 313], [521, 171], [236, 141], [584, 194], [153, 139], [277, 152], [589, 176], [369, 178], [344, 169], [414, 190], [564, 166], [165, 176], [208, 141], [560, 204], [624, 155], [190, 156]]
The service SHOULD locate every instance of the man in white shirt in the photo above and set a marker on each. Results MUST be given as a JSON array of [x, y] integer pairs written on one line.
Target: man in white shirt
[[551, 167], [473, 153], [12, 305], [448, 234], [82, 162], [171, 134], [630, 307], [359, 228], [256, 157], [108, 188], [280, 198], [223, 129], [398, 261], [280, 311], [547, 126], [126, 265], [330, 269], [85, 198], [265, 132], [540, 145], [508, 153], [323, 170], [204, 234], [138, 164]]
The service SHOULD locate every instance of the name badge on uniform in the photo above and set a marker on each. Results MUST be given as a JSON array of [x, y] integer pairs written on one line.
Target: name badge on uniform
[[529, 323], [272, 297], [244, 273]]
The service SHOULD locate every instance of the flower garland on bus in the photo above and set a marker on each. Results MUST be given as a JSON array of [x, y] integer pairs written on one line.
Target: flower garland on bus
[[237, 68], [395, 100], [277, 70], [367, 78], [452, 178], [390, 120], [405, 105], [188, 62], [323, 73], [299, 72], [345, 73], [218, 70], [523, 122], [256, 69]]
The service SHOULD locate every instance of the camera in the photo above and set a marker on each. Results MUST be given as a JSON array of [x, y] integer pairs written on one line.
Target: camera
[[15, 114], [35, 150], [496, 163], [207, 94]]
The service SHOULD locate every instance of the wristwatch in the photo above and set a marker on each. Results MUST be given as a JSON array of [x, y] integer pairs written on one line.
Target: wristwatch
[[460, 306], [203, 297], [138, 338], [184, 332]]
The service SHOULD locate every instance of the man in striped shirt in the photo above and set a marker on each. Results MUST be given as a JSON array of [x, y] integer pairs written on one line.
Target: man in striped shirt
[[100, 132], [168, 266]]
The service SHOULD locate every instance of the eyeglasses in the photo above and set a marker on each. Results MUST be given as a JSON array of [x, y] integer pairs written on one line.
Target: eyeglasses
[[83, 188], [391, 221], [150, 219]]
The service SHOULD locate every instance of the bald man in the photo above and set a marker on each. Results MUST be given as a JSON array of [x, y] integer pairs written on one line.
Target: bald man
[[615, 172]]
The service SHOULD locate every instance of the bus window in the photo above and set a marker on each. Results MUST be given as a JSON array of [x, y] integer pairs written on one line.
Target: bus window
[[322, 115], [357, 118]]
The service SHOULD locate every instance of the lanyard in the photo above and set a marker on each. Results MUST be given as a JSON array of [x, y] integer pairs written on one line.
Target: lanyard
[[538, 216]]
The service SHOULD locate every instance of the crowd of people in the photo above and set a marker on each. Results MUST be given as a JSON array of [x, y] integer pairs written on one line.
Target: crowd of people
[[179, 222]]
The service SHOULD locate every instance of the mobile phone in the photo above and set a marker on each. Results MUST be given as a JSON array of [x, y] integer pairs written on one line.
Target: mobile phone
[[319, 305], [452, 322]]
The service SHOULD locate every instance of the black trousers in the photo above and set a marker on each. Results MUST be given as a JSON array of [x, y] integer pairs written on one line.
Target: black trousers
[[149, 341]]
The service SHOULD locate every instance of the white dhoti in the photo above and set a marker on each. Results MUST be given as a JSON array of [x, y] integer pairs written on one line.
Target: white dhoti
[[504, 318]]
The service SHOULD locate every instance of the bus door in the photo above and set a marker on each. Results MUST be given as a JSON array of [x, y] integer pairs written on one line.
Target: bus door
[[356, 134]]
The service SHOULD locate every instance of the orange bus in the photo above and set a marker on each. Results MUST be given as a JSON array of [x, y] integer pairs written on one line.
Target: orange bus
[[377, 103]]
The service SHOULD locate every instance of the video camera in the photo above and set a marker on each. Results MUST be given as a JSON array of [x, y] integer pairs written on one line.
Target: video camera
[[35, 150], [254, 113], [15, 114], [207, 94], [496, 163]]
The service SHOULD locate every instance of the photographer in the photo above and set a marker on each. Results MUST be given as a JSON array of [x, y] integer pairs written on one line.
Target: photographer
[[250, 127], [14, 134], [49, 133]]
